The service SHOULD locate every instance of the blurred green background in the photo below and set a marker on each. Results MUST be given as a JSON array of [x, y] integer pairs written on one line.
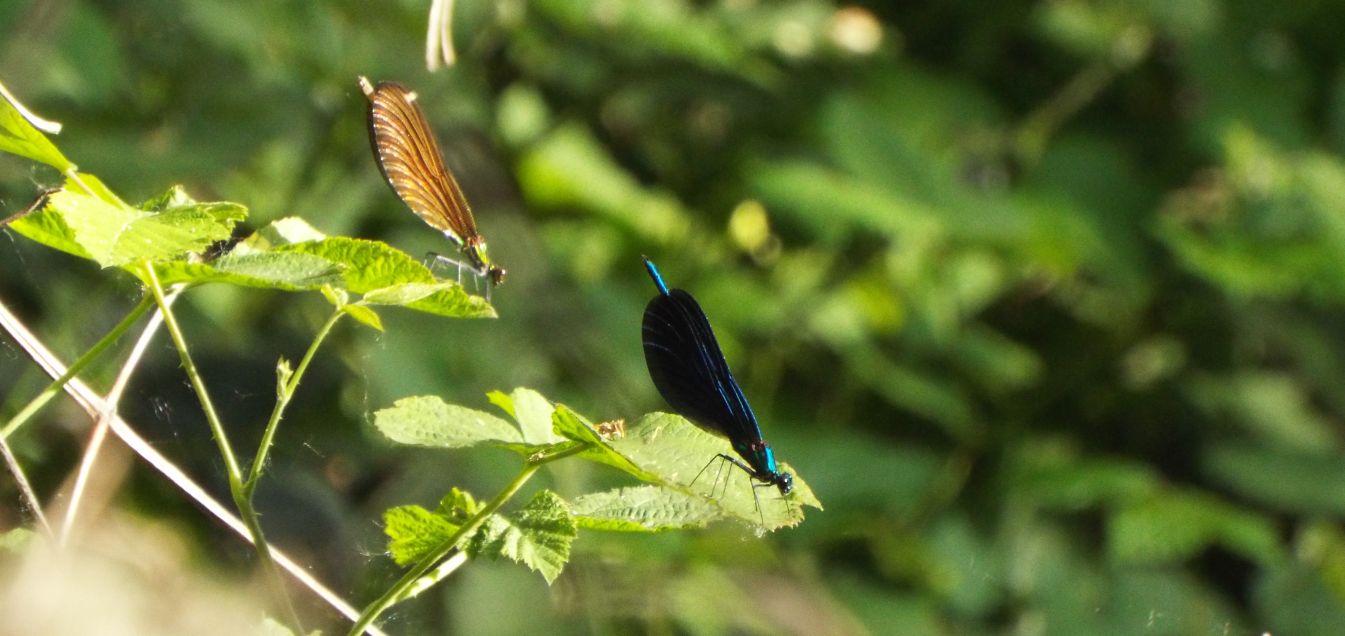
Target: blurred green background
[[1044, 299]]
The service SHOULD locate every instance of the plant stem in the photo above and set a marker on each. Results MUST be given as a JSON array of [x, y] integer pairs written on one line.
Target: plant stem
[[194, 376], [402, 588], [93, 405], [283, 396], [241, 500], [89, 356]]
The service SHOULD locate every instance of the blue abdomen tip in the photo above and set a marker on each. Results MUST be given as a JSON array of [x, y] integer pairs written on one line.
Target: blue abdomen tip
[[653, 273]]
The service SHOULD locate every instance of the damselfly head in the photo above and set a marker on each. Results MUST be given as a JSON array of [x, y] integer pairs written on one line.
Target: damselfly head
[[496, 275]]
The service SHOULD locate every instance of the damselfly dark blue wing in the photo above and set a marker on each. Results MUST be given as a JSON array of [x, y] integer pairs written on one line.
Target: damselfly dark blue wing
[[689, 370]]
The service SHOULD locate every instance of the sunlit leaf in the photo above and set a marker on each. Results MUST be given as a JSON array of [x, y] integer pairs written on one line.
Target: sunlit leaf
[[672, 451], [414, 532], [643, 509], [19, 137], [538, 536], [364, 315], [429, 421], [112, 233]]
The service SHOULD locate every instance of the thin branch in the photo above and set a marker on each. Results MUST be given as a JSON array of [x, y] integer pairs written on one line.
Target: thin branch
[[25, 489], [14, 327], [93, 405], [105, 416], [440, 573], [1029, 140]]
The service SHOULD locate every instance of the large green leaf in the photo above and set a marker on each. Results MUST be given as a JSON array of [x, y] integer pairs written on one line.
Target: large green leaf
[[93, 223], [371, 264], [674, 452], [388, 276], [429, 421], [265, 270], [414, 532], [643, 509]]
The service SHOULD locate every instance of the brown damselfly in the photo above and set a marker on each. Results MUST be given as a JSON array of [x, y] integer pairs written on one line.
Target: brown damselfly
[[413, 165]]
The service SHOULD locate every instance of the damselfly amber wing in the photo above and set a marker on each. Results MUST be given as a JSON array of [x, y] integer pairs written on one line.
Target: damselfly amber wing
[[413, 165]]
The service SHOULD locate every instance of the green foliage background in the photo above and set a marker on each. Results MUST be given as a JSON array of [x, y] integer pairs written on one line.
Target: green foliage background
[[1044, 298]]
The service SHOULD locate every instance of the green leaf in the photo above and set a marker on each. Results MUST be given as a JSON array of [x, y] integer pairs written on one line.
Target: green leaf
[[266, 270], [114, 234], [363, 315], [670, 450], [502, 401], [445, 298], [174, 197], [1273, 406], [458, 506], [19, 137], [1176, 526], [1086, 483], [48, 227], [406, 293], [570, 425], [571, 168], [833, 201], [414, 532], [372, 264], [533, 413], [392, 277], [429, 421], [658, 448], [89, 184], [573, 426], [643, 509], [286, 231], [538, 536]]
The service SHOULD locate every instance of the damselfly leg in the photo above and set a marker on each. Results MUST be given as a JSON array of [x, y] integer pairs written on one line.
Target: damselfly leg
[[435, 261]]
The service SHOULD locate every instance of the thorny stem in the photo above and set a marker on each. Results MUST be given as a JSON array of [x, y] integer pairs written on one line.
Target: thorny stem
[[194, 376], [235, 473], [283, 395]]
